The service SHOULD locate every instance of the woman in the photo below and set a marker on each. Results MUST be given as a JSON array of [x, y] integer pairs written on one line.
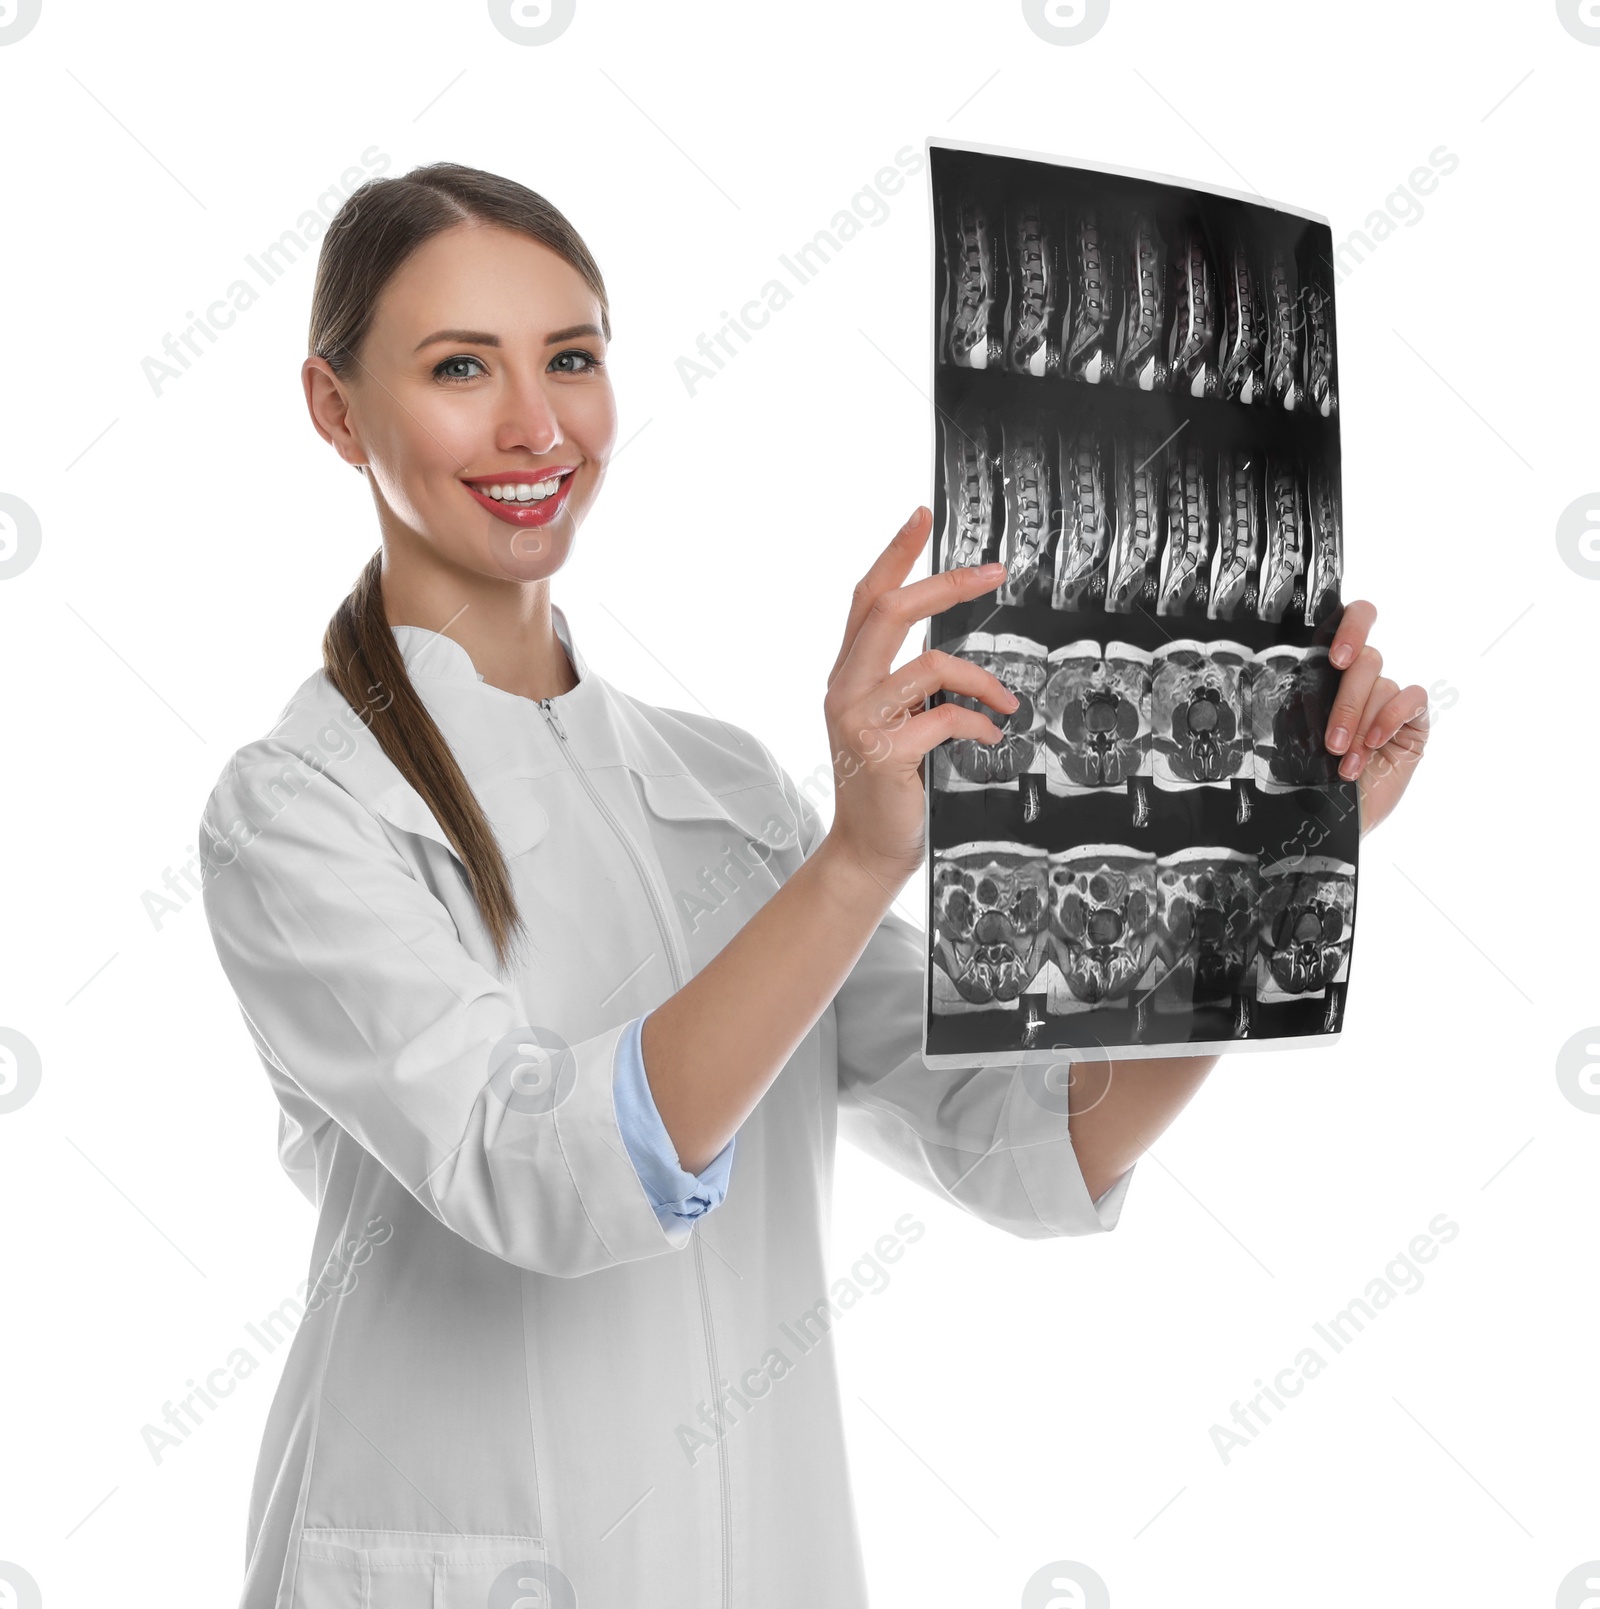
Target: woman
[[467, 893]]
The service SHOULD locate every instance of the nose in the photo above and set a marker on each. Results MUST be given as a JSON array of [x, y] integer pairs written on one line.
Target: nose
[[529, 418]]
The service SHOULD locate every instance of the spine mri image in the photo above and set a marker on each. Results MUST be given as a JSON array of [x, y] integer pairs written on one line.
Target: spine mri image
[[1136, 411]]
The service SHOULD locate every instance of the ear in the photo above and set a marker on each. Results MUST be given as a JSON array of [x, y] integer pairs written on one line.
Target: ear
[[329, 407]]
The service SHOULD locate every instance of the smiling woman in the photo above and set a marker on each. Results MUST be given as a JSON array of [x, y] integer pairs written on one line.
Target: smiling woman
[[489, 1023], [421, 415]]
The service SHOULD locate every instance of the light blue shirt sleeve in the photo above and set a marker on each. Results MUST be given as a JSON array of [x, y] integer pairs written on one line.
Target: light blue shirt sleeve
[[672, 1192]]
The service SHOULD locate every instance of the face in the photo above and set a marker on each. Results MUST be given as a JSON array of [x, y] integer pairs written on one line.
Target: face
[[480, 404]]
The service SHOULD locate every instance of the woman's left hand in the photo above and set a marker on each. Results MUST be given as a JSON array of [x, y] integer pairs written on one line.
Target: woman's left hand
[[1380, 729]]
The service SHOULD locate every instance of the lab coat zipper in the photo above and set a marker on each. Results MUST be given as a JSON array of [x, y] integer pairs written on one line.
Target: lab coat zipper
[[678, 978]]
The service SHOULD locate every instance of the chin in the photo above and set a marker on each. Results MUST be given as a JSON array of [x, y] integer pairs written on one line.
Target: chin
[[529, 555]]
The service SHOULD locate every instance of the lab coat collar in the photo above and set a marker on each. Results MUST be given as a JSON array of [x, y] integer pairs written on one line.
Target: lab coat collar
[[504, 743], [441, 658], [476, 717]]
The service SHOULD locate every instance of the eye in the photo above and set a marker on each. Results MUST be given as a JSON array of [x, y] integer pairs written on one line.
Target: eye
[[592, 363], [449, 363]]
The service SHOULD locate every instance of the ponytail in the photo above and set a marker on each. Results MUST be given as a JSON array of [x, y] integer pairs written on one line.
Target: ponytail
[[359, 654]]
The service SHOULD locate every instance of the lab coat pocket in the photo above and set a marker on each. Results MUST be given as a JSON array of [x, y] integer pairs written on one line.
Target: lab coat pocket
[[760, 811], [378, 1569]]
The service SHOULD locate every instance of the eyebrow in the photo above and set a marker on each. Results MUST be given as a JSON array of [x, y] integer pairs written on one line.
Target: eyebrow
[[484, 338]]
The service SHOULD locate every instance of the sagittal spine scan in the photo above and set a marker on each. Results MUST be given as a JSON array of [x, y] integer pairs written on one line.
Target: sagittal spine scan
[[1136, 399]]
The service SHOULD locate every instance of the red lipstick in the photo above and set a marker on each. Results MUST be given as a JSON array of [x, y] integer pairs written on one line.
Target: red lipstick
[[539, 512]]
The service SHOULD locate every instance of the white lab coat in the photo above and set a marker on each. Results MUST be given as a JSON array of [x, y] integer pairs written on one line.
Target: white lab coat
[[506, 1385]]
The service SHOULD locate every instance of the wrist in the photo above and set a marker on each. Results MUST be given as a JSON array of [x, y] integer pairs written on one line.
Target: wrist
[[861, 889]]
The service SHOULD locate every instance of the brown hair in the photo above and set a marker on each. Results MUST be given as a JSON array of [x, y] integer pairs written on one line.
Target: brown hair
[[380, 224]]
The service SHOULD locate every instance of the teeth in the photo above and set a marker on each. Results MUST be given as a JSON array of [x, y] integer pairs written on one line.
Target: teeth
[[523, 491]]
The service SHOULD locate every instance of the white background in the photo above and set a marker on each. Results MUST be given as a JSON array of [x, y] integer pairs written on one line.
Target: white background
[[1010, 1403]]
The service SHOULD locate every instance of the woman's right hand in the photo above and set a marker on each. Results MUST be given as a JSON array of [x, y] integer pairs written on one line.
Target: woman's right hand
[[878, 731]]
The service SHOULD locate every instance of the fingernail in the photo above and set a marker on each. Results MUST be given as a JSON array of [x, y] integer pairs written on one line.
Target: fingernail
[[1337, 738], [1342, 655], [992, 569], [1351, 767], [1012, 700]]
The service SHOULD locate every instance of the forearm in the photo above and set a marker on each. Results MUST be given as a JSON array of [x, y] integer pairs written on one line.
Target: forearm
[[1116, 1109], [712, 1049]]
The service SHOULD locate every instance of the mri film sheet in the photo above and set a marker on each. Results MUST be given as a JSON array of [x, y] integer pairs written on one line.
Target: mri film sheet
[[1136, 409]]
